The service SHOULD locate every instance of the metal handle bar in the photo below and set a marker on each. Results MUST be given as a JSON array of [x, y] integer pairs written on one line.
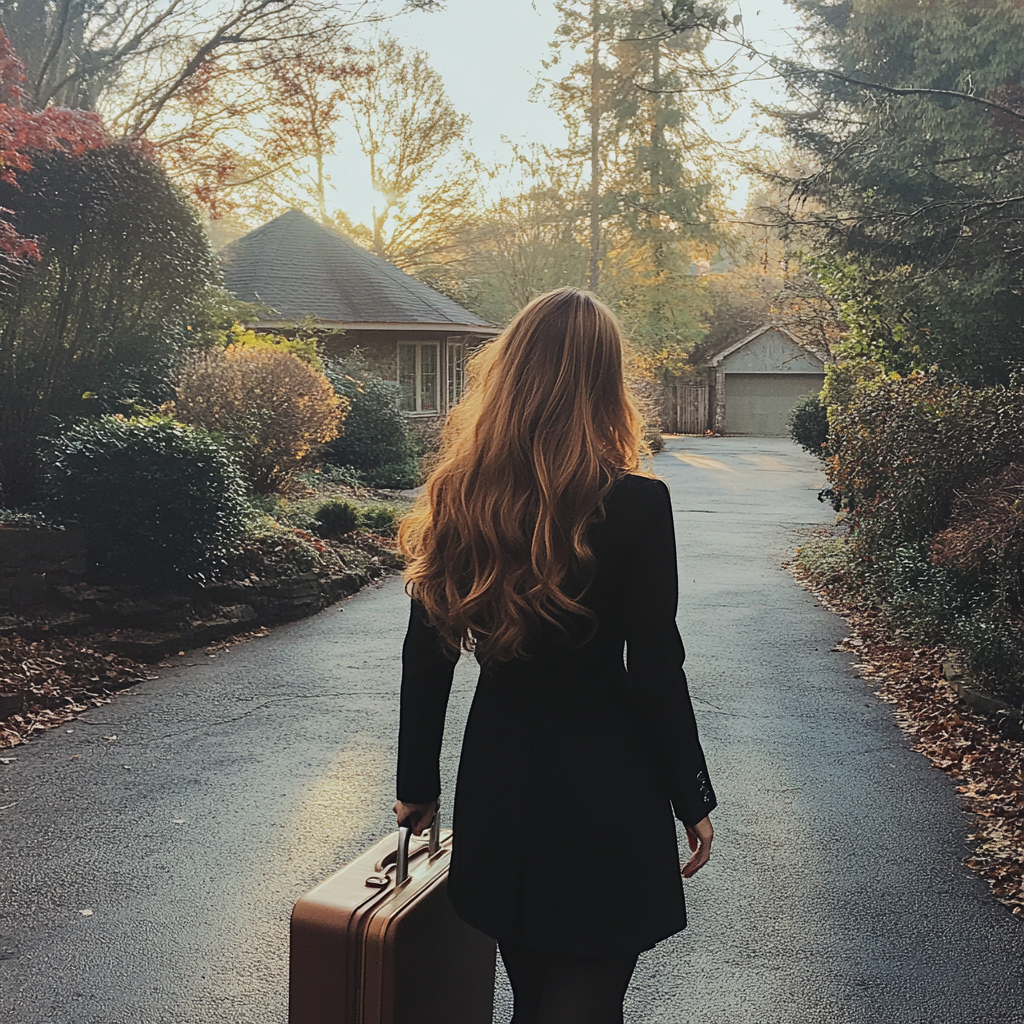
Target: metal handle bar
[[404, 836], [399, 859]]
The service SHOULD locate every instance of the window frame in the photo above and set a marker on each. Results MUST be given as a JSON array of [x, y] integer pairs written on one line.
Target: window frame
[[417, 377], [455, 370]]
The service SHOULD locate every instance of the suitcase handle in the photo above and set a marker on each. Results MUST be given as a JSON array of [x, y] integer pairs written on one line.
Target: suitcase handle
[[404, 836], [399, 860]]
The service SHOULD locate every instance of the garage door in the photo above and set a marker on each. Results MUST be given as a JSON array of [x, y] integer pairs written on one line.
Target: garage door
[[759, 403]]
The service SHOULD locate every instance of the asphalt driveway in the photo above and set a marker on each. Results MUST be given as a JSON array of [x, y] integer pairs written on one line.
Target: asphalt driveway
[[151, 851]]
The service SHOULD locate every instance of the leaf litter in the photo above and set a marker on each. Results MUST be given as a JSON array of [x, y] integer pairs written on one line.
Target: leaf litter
[[51, 681], [987, 767]]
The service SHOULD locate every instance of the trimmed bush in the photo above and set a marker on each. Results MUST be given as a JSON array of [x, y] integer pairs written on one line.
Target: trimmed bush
[[808, 425], [381, 519], [375, 440], [336, 518], [158, 500], [275, 410]]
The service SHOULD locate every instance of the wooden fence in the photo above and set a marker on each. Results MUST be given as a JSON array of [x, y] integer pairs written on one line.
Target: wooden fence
[[686, 408]]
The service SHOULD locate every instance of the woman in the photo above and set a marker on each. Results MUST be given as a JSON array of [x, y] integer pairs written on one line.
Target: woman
[[539, 546]]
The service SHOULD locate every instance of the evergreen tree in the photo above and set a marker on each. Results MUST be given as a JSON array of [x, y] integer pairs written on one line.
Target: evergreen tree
[[915, 119], [630, 103], [124, 284]]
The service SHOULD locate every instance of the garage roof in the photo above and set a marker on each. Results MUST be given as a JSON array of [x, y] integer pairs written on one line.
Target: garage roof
[[760, 332]]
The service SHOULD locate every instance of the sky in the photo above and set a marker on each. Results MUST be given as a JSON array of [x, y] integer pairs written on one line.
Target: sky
[[489, 55]]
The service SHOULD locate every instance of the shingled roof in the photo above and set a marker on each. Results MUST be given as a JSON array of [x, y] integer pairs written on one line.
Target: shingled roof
[[299, 268]]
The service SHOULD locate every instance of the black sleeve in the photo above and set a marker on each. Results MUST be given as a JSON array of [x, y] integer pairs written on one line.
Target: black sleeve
[[654, 655], [427, 673]]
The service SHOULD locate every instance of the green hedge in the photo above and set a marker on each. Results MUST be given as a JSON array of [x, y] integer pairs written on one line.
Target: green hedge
[[335, 518], [928, 471], [158, 500], [902, 447]]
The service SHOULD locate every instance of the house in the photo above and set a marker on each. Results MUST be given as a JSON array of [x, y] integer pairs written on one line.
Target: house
[[296, 269], [759, 379]]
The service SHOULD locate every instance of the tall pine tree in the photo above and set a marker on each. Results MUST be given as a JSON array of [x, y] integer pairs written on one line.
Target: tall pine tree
[[634, 81]]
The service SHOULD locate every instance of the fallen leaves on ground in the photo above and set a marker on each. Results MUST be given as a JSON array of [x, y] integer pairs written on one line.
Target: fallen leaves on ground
[[235, 639], [988, 767], [54, 680]]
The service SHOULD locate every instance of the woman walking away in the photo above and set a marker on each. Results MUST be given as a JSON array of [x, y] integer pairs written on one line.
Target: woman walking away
[[540, 547]]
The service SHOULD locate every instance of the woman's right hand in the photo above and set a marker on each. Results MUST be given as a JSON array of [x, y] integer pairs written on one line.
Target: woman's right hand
[[422, 815], [699, 837]]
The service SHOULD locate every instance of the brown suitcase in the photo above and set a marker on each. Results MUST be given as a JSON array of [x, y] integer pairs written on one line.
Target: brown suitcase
[[379, 943]]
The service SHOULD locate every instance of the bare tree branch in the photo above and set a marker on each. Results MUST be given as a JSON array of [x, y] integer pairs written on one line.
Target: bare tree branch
[[893, 90]]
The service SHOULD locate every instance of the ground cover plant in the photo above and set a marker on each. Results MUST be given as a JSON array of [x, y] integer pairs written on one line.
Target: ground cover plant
[[271, 549]]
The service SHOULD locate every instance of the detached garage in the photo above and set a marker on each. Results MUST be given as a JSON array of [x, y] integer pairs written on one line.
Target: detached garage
[[760, 378]]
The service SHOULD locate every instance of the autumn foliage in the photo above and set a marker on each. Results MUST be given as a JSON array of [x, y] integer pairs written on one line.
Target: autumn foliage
[[275, 409], [986, 538], [24, 133], [53, 680]]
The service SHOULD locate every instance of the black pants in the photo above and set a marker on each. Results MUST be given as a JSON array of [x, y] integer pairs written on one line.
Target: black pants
[[560, 988]]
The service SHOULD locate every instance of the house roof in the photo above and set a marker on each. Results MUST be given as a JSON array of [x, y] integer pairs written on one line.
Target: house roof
[[756, 333], [299, 268]]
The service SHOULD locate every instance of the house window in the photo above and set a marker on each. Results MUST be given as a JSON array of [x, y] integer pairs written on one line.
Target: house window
[[456, 371], [418, 376]]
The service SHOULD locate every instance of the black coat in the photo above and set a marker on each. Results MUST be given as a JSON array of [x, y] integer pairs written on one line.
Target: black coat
[[580, 757]]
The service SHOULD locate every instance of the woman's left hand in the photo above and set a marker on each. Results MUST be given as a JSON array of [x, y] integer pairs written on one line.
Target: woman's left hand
[[422, 814], [699, 837]]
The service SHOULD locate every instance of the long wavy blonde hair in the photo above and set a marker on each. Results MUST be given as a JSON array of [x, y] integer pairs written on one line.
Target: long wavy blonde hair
[[527, 457]]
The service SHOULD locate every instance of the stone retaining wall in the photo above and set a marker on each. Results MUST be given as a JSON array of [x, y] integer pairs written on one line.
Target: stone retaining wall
[[34, 562], [44, 592]]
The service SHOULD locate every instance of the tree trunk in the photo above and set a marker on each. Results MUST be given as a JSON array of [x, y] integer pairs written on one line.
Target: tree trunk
[[657, 129], [594, 266], [321, 188]]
